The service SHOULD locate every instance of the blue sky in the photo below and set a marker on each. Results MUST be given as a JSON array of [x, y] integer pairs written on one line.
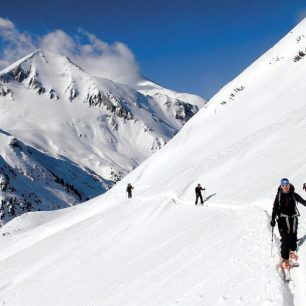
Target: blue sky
[[189, 46]]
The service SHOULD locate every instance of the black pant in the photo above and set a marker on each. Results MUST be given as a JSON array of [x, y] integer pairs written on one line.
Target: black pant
[[288, 238], [199, 195], [129, 195]]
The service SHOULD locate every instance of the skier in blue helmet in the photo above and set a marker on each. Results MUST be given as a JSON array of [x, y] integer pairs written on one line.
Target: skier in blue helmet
[[286, 214]]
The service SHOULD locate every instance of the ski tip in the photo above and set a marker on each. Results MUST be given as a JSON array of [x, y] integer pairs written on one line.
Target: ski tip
[[287, 281]]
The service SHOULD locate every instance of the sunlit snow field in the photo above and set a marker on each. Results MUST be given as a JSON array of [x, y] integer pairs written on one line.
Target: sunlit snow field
[[159, 248]]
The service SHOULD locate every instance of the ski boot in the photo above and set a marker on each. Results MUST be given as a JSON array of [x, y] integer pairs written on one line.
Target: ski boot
[[293, 259], [286, 268]]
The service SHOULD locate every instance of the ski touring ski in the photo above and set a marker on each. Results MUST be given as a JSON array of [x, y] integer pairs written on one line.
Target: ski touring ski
[[287, 276], [285, 265]]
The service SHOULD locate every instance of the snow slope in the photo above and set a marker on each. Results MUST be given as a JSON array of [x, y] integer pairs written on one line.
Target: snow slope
[[159, 248], [31, 180]]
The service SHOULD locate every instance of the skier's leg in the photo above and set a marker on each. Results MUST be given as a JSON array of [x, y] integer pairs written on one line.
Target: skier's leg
[[292, 242], [201, 198], [292, 239], [293, 247], [197, 197], [285, 252], [285, 244]]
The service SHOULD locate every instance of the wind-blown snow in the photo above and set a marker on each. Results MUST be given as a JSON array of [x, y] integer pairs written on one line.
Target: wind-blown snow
[[159, 248]]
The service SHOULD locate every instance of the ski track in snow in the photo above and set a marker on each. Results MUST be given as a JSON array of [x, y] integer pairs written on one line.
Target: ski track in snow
[[177, 265]]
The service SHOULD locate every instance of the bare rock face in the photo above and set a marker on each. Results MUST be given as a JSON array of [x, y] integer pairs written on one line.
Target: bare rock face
[[4, 90], [184, 111], [112, 104], [18, 74], [53, 94]]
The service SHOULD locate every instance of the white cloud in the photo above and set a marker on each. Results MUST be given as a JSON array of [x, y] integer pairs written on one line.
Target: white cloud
[[58, 42], [16, 44], [114, 61], [6, 23]]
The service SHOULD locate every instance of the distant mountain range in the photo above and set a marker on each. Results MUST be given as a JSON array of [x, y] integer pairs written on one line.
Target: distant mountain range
[[67, 136]]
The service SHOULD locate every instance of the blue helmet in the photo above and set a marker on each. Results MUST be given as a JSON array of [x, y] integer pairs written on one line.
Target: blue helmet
[[284, 181]]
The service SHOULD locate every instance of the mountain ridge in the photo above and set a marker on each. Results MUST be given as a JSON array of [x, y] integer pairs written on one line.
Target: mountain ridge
[[51, 104]]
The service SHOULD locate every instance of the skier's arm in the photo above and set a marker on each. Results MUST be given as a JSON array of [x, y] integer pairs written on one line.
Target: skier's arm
[[299, 199], [275, 207]]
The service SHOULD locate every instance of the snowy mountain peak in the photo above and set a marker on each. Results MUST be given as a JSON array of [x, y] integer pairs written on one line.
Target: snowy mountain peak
[[107, 129], [40, 58], [42, 70], [57, 77], [152, 89]]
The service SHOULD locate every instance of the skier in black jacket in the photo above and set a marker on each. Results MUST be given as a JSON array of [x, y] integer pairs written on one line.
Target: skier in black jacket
[[129, 190], [285, 210], [199, 194]]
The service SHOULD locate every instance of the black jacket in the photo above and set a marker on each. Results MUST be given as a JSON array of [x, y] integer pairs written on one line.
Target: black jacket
[[129, 188], [285, 203], [198, 190]]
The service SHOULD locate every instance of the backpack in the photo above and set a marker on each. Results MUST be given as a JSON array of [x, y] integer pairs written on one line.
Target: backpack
[[279, 195]]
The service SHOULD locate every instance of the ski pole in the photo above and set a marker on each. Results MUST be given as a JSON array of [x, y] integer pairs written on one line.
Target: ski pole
[[272, 240]]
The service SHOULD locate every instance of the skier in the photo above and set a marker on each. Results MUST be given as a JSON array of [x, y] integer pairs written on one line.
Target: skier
[[129, 190], [304, 186], [199, 194], [285, 210]]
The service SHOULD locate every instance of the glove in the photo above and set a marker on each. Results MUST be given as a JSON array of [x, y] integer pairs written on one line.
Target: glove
[[272, 223]]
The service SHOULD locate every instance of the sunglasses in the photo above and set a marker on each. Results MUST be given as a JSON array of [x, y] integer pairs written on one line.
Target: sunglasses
[[286, 185]]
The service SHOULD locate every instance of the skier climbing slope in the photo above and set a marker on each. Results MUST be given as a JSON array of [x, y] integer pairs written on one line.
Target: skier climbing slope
[[286, 212]]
